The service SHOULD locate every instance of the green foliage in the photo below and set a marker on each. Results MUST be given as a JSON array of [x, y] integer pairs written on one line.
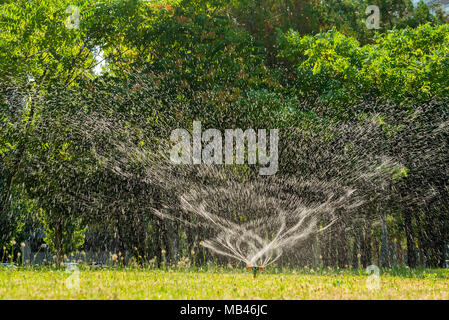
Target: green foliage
[[73, 232], [328, 65], [403, 66], [197, 51], [35, 40], [20, 221]]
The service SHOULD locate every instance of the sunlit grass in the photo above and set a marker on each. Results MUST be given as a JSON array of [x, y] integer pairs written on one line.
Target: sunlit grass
[[45, 283]]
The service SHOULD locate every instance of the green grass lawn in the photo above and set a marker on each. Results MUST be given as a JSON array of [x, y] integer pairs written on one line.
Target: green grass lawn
[[226, 284]]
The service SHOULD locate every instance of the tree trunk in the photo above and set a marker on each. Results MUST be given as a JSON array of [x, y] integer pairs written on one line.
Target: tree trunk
[[384, 258], [324, 249], [411, 249], [434, 234], [400, 256], [375, 250], [342, 245], [366, 249], [59, 242], [356, 248]]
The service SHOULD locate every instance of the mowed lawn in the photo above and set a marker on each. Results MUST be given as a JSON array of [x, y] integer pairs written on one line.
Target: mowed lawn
[[156, 284]]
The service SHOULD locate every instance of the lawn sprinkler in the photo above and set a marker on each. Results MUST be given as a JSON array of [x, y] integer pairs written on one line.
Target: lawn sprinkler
[[255, 269]]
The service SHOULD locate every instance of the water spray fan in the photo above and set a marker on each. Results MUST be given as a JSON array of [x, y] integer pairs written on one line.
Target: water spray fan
[[255, 269]]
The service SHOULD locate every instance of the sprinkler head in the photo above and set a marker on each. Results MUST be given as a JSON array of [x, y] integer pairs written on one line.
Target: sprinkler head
[[255, 269]]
